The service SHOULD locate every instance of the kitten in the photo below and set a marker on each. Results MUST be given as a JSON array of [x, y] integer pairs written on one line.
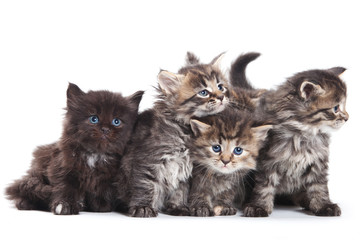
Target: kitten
[[157, 164], [224, 150], [294, 161], [77, 172]]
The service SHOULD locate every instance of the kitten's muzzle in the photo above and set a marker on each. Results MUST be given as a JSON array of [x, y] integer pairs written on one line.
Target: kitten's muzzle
[[105, 130], [225, 161]]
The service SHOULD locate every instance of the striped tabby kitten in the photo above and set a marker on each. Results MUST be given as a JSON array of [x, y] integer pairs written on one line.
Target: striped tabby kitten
[[224, 149], [294, 161], [157, 163]]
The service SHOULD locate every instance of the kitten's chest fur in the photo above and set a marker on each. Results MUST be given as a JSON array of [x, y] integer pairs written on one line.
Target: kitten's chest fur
[[175, 165], [93, 159], [292, 154], [97, 169]]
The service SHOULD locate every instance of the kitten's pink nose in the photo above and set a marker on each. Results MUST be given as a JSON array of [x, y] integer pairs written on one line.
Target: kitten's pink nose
[[225, 161], [105, 130]]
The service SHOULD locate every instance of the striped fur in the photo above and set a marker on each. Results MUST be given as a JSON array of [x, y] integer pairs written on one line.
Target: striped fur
[[294, 161]]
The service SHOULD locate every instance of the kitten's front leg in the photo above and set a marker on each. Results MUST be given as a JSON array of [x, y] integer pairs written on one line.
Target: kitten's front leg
[[199, 204], [144, 199], [319, 202], [176, 203], [224, 204], [65, 199], [262, 199]]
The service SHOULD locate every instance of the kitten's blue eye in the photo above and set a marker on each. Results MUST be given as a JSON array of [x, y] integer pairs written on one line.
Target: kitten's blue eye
[[221, 87], [216, 148], [204, 93], [238, 150], [336, 108], [116, 122], [94, 119]]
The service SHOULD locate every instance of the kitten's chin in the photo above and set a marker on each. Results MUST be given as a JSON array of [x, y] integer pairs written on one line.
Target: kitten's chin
[[332, 128], [211, 110], [225, 169]]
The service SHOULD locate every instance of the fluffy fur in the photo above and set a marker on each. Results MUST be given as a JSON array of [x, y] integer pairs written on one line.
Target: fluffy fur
[[224, 150], [78, 172], [157, 163], [294, 161]]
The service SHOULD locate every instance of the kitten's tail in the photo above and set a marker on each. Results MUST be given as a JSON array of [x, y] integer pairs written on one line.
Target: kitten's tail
[[237, 71]]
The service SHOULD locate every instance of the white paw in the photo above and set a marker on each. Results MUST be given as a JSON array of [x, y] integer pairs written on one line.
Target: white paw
[[58, 208], [217, 210]]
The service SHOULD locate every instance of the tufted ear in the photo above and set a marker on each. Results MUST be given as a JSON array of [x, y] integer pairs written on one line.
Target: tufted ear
[[337, 70], [260, 133], [169, 82], [74, 91], [217, 60], [136, 98], [309, 89], [73, 94], [198, 127], [191, 58]]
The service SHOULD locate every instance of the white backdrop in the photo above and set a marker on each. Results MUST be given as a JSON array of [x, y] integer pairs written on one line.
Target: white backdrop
[[121, 46]]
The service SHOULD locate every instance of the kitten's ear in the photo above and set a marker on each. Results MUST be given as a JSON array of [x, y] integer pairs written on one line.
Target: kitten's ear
[[260, 133], [73, 92], [217, 60], [136, 98], [337, 70], [169, 82], [198, 127], [309, 89], [191, 58]]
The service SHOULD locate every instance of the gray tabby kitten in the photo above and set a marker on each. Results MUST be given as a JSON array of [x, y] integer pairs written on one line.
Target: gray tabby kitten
[[157, 164], [294, 161], [224, 150]]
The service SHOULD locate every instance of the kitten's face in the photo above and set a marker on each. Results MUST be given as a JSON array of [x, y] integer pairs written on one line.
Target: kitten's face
[[228, 156], [203, 92], [324, 94], [227, 144], [197, 90], [101, 121]]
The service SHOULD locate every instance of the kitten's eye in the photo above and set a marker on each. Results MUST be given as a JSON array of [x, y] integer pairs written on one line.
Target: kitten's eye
[[221, 87], [216, 148], [116, 122], [238, 151], [203, 93], [336, 108], [94, 119]]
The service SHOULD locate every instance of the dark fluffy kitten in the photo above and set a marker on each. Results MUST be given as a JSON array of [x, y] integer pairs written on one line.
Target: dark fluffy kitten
[[157, 163], [78, 172], [294, 161], [224, 149]]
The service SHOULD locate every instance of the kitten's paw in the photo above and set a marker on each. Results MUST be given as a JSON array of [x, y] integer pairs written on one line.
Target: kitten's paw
[[224, 211], [254, 211], [329, 210], [23, 204], [175, 210], [202, 211], [65, 208], [144, 212]]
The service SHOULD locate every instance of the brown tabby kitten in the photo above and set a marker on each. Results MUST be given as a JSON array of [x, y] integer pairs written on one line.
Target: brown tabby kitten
[[294, 161], [157, 164], [224, 150], [78, 172]]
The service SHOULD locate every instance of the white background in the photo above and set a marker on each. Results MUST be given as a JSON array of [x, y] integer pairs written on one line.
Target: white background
[[121, 46]]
